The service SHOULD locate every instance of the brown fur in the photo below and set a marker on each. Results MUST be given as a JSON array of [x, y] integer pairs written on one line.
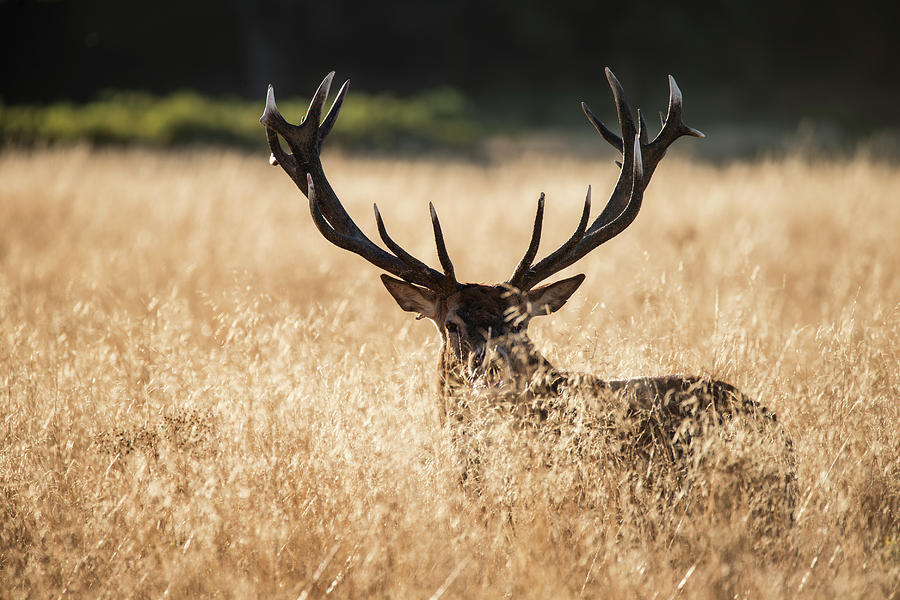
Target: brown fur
[[666, 423], [485, 346]]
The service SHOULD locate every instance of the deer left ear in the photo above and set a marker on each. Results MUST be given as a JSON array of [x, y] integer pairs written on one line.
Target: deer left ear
[[550, 298], [412, 298]]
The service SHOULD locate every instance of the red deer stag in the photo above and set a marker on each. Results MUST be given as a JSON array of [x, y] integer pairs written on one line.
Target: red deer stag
[[484, 327]]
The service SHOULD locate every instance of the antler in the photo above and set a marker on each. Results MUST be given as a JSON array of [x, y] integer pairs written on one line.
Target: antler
[[640, 159], [304, 166]]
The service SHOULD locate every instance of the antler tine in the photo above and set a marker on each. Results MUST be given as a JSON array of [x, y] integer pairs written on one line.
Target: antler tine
[[673, 127], [626, 122], [619, 198], [582, 242], [642, 128], [545, 268], [443, 256], [332, 115], [271, 116], [614, 140], [516, 279], [676, 100], [304, 166], [623, 111], [409, 259], [582, 226], [314, 112]]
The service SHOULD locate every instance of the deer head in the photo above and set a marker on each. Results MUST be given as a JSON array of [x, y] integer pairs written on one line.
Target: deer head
[[483, 327]]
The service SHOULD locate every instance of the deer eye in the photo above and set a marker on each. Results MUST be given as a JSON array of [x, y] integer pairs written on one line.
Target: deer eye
[[451, 327]]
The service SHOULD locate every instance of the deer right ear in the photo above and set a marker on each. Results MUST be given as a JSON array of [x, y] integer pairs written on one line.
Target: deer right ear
[[550, 298], [412, 298]]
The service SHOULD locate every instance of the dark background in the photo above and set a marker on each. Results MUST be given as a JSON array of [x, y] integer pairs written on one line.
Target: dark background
[[839, 61]]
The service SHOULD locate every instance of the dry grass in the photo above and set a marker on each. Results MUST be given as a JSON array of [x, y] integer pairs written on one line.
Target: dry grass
[[200, 396]]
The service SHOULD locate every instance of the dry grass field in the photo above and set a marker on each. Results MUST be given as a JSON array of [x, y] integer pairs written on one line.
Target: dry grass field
[[200, 397]]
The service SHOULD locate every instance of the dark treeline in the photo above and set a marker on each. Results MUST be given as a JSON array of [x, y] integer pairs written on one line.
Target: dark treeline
[[71, 49]]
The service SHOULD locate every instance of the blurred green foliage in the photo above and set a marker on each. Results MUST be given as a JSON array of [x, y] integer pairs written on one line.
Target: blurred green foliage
[[437, 118]]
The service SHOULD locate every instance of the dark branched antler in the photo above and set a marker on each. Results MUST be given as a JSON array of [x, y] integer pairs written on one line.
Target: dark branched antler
[[304, 166], [639, 161]]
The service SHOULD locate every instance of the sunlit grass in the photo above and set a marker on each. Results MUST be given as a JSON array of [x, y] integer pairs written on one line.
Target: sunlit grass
[[201, 396]]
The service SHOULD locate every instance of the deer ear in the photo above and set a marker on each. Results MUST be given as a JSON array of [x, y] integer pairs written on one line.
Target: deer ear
[[550, 298], [412, 298]]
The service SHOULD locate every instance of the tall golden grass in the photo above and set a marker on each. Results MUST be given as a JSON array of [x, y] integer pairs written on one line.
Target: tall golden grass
[[202, 397]]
